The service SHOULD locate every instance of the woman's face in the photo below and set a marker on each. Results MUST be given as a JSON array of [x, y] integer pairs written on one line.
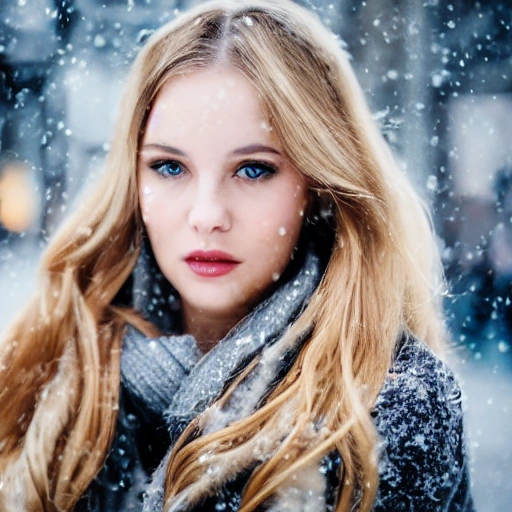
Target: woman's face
[[222, 206]]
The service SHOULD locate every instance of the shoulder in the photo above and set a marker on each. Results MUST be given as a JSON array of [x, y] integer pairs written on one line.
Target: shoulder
[[419, 418], [420, 383]]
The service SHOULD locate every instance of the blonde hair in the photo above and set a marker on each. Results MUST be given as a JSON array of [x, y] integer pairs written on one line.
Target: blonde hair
[[61, 359]]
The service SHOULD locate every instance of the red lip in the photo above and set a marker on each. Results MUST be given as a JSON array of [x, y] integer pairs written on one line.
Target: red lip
[[211, 263]]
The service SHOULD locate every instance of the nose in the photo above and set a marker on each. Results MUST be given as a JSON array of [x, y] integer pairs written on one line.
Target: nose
[[209, 210]]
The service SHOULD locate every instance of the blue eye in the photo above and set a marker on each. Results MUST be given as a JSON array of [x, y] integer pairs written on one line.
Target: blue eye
[[168, 168], [255, 171]]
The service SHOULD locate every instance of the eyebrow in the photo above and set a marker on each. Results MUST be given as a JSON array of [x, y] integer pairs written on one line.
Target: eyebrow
[[245, 150], [164, 147], [255, 148]]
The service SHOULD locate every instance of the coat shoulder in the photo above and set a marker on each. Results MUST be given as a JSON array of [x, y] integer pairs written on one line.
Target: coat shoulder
[[419, 418]]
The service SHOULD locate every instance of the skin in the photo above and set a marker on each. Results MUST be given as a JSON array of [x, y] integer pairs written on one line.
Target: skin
[[212, 176]]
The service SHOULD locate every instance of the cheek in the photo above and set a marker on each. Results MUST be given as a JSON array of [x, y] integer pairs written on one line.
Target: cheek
[[292, 212], [146, 200], [154, 209], [154, 202], [283, 227]]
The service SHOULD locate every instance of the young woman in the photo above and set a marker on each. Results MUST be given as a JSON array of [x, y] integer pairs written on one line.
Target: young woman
[[243, 317]]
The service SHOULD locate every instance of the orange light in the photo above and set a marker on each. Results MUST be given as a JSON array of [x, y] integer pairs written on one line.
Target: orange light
[[17, 198]]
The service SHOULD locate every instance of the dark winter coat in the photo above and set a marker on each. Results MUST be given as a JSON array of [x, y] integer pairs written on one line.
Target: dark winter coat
[[166, 382], [418, 414]]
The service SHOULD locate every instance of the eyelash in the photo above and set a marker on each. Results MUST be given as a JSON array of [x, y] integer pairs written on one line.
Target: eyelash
[[268, 170], [161, 165], [174, 169]]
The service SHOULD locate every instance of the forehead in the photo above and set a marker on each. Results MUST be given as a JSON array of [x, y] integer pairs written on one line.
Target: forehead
[[213, 90], [200, 101]]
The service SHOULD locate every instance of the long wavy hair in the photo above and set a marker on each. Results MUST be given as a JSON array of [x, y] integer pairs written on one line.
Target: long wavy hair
[[60, 360]]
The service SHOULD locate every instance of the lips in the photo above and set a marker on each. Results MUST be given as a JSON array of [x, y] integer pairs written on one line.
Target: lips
[[211, 263]]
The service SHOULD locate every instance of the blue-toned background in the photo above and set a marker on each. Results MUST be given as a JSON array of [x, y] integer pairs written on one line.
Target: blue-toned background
[[437, 75]]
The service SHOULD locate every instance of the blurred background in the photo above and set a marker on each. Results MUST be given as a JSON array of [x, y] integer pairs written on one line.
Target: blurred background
[[438, 77]]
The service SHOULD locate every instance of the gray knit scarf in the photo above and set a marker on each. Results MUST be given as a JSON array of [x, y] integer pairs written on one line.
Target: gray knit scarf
[[171, 376]]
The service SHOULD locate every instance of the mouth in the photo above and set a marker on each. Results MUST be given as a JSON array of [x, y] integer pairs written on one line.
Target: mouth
[[211, 263]]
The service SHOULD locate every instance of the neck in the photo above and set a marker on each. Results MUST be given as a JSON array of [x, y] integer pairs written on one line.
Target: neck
[[207, 328]]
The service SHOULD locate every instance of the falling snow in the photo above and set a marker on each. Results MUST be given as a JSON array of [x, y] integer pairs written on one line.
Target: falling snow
[[437, 75]]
